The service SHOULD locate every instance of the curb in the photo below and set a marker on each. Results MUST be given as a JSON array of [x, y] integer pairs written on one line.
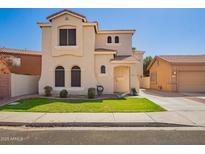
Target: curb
[[94, 124]]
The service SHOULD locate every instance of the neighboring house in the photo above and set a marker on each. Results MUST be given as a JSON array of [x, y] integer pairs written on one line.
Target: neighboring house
[[178, 73], [30, 61], [19, 72], [76, 55]]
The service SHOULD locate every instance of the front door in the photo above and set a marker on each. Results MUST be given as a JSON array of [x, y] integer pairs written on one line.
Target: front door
[[121, 79]]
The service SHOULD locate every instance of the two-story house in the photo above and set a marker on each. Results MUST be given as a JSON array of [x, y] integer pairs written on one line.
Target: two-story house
[[76, 55]]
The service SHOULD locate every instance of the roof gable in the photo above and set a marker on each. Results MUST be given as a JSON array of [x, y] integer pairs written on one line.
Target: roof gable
[[63, 12], [85, 23], [19, 51], [183, 58], [179, 59]]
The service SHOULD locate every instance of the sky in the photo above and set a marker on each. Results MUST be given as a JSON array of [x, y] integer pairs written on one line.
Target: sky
[[158, 31]]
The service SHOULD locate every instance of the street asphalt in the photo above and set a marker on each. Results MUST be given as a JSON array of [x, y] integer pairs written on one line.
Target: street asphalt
[[100, 136]]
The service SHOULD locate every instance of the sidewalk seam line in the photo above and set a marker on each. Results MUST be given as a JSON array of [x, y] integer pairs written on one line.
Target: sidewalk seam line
[[113, 116], [150, 117], [177, 112], [39, 117]]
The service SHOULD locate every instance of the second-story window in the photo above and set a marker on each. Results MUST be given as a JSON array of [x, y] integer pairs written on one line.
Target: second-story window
[[117, 39], [109, 39], [67, 37]]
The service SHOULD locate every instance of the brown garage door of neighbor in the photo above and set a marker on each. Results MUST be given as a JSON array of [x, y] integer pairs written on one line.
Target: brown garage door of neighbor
[[5, 85], [191, 81]]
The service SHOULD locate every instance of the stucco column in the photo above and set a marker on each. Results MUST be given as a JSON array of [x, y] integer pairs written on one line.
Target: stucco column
[[134, 81]]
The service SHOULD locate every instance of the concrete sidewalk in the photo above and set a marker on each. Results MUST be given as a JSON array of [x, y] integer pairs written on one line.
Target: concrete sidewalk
[[180, 117]]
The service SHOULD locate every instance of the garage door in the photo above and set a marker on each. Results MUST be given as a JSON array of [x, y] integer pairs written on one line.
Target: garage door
[[191, 81]]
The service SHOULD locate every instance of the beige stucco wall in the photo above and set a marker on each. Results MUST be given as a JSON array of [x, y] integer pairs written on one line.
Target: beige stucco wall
[[189, 67], [104, 79], [124, 47], [72, 22], [139, 68], [83, 56], [164, 71], [145, 82], [139, 57], [108, 80], [168, 76], [133, 77], [23, 84]]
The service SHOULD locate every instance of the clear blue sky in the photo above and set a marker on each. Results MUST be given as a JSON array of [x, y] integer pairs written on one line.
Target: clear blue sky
[[158, 31]]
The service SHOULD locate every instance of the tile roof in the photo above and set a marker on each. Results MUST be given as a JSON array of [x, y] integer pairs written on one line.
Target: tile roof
[[180, 59], [103, 49], [19, 51], [183, 58], [124, 58], [66, 11], [132, 31]]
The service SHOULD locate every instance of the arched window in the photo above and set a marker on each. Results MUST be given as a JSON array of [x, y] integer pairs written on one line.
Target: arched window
[[117, 39], [75, 76], [59, 76], [103, 69], [109, 39]]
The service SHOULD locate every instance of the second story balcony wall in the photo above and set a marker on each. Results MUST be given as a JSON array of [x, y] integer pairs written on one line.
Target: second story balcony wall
[[122, 42]]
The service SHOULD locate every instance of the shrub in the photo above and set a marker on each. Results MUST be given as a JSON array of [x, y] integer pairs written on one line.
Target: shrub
[[91, 93], [48, 90], [133, 92], [63, 93]]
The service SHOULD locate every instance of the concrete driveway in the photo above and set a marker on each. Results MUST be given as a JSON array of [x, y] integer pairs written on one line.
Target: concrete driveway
[[176, 101], [181, 108]]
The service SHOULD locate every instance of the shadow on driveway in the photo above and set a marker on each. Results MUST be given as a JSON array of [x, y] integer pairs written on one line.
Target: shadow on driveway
[[171, 94]]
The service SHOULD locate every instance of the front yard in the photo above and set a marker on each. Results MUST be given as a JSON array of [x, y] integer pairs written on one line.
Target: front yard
[[66, 106]]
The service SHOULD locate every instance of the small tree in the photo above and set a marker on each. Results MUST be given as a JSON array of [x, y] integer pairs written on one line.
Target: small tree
[[146, 63], [8, 62]]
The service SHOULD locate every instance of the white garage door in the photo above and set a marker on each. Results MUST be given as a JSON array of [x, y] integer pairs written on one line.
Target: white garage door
[[191, 81]]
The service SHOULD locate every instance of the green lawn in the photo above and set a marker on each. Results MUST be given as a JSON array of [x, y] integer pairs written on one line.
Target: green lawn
[[63, 106]]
